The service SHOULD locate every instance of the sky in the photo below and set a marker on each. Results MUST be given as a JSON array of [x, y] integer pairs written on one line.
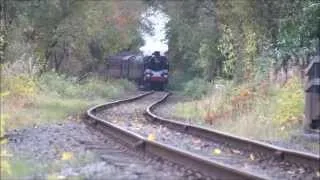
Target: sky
[[157, 42]]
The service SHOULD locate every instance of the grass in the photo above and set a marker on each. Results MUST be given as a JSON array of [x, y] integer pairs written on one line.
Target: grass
[[28, 101], [53, 97], [254, 110], [21, 167]]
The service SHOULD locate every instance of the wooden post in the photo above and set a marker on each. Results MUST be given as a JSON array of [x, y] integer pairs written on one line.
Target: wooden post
[[312, 95]]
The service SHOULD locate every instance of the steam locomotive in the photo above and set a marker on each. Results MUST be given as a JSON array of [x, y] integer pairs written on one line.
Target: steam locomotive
[[149, 72]]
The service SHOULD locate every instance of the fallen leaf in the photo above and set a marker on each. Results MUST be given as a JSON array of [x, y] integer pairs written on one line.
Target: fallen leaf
[[151, 137], [216, 151], [252, 157], [66, 156]]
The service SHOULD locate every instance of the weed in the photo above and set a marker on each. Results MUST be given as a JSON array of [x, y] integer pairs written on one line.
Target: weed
[[289, 102], [197, 88], [52, 97], [254, 110]]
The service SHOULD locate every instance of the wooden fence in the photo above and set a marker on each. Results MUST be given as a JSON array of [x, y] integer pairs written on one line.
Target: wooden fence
[[312, 94]]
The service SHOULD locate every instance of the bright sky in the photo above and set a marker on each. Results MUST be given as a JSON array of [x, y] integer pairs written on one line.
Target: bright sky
[[157, 42]]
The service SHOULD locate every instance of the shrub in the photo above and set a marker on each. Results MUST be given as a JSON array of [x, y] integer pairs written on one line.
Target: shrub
[[177, 80], [52, 97], [267, 110], [60, 85], [125, 84], [5, 168], [289, 102], [197, 88], [19, 85]]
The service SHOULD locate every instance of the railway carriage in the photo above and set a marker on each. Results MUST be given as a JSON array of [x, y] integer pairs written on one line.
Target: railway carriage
[[134, 67]]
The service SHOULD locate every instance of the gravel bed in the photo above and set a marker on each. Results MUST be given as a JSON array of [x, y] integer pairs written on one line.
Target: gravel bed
[[95, 155], [167, 108], [130, 117]]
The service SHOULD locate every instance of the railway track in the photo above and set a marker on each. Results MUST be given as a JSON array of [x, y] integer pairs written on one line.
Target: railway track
[[214, 154]]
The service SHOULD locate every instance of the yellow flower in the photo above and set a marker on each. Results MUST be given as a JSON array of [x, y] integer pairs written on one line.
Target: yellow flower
[[216, 151]]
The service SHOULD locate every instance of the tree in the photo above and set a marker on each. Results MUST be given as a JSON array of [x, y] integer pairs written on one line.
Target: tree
[[241, 38], [71, 36]]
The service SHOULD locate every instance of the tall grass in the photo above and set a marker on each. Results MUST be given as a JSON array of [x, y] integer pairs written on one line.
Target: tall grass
[[255, 110], [53, 97], [27, 100]]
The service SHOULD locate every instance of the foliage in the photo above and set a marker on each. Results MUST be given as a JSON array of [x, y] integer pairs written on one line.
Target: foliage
[[4, 164], [241, 109], [178, 79], [71, 36], [5, 167], [54, 97], [62, 86], [243, 39], [236, 108], [228, 50], [19, 85], [197, 88], [289, 102]]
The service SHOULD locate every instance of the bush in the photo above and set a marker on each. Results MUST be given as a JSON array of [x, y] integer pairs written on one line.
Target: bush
[[289, 102], [268, 111], [60, 85], [125, 84], [19, 85], [53, 97], [197, 88], [177, 80]]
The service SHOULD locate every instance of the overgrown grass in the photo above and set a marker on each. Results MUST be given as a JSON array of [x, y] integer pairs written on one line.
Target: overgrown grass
[[254, 110], [53, 97], [29, 101], [50, 170], [197, 88], [194, 88]]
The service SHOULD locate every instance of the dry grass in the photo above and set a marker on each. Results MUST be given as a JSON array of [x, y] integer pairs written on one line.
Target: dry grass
[[27, 101], [253, 110], [52, 98]]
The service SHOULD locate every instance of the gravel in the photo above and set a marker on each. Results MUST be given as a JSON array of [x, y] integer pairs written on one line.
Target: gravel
[[95, 156], [130, 117]]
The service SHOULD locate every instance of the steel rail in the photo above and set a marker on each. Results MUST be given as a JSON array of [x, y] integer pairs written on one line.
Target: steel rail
[[269, 150], [193, 161]]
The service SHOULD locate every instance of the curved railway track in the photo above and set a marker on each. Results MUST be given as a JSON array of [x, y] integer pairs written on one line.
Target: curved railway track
[[196, 147]]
